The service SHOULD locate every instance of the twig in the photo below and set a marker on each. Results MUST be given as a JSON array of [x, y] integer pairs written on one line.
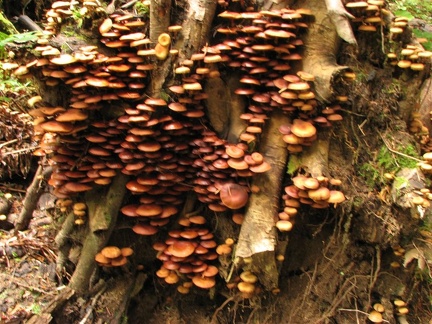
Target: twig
[[129, 4], [357, 311], [9, 142], [93, 303], [352, 112], [374, 277], [397, 152], [5, 187], [20, 151]]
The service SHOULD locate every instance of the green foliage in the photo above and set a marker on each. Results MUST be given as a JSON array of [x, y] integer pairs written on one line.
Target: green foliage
[[142, 9], [293, 164], [36, 309], [15, 38], [424, 34], [421, 9], [371, 174]]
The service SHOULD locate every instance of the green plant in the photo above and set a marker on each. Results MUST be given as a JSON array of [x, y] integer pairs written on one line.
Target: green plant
[[35, 309], [424, 34], [15, 38], [142, 9], [388, 162], [371, 174], [413, 8], [391, 162]]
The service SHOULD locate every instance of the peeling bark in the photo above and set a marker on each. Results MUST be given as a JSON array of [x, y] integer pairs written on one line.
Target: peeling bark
[[321, 46], [258, 234], [340, 18], [160, 11], [314, 159]]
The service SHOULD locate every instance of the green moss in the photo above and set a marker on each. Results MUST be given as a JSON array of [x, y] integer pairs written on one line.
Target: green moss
[[294, 164], [142, 9], [388, 162], [391, 162]]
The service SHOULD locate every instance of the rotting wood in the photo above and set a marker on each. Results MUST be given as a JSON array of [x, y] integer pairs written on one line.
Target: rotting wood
[[31, 199], [224, 107], [46, 314], [103, 210], [258, 233], [194, 34]]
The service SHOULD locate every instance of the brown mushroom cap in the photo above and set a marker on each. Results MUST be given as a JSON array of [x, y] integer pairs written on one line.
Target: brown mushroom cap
[[204, 282], [233, 195], [101, 259], [127, 251], [144, 229], [181, 248]]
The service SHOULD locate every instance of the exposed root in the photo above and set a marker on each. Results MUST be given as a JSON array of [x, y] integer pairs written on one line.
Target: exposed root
[[236, 299]]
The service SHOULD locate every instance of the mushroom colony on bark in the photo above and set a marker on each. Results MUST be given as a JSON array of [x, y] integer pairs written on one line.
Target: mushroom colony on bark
[[164, 144]]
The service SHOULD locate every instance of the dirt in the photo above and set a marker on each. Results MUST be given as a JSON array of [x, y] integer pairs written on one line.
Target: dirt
[[28, 279]]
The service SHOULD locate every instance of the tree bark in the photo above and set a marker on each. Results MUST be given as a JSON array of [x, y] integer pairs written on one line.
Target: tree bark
[[103, 211], [258, 236], [321, 47]]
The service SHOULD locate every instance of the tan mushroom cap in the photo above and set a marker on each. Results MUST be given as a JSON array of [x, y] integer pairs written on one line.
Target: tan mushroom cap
[[111, 252], [336, 197], [63, 59], [72, 115], [303, 128]]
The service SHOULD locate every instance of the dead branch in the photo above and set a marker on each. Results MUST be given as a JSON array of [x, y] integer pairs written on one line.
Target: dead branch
[[30, 201]]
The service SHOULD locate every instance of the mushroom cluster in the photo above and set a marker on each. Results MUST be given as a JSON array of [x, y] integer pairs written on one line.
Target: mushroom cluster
[[317, 192], [80, 212], [368, 14], [61, 10], [113, 256], [187, 254], [108, 125], [411, 57]]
